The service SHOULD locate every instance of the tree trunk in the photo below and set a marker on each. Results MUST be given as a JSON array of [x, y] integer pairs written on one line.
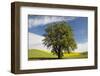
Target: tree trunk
[[59, 53], [68, 50]]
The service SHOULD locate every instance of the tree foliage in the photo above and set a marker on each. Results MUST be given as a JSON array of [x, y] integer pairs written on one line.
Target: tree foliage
[[59, 36]]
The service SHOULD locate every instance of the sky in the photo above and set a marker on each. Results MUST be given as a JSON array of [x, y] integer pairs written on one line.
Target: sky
[[79, 25]]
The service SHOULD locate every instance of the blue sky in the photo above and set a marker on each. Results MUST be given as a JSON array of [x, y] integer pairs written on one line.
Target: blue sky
[[37, 24]]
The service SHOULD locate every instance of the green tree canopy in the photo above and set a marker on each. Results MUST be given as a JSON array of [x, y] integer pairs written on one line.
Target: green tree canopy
[[59, 36]]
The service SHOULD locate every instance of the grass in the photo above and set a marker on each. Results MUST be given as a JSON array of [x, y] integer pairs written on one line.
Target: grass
[[35, 54], [75, 55]]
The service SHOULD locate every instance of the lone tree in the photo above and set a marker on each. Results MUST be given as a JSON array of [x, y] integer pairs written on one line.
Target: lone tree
[[59, 36]]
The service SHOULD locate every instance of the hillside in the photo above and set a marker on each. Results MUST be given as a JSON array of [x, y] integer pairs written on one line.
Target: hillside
[[40, 54], [35, 54]]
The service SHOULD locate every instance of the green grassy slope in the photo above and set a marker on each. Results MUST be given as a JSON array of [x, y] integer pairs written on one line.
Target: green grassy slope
[[35, 54], [76, 55], [41, 54]]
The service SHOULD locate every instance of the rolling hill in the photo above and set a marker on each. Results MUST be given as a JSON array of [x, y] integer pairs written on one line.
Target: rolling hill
[[39, 54], [34, 54]]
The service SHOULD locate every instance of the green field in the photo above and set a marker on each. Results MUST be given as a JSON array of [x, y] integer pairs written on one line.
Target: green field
[[35, 54]]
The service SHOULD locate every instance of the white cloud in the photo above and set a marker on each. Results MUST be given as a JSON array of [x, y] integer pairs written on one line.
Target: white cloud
[[35, 42], [42, 20], [81, 47]]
